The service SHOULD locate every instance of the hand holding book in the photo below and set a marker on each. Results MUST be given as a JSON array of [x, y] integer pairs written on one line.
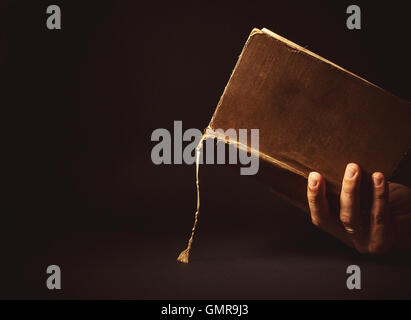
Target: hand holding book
[[386, 227]]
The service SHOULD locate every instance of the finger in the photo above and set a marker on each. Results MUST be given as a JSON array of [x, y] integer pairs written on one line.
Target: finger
[[399, 196], [380, 217], [319, 209], [317, 200], [350, 200]]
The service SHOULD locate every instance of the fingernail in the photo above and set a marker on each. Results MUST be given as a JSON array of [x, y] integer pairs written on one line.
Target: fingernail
[[313, 180], [378, 179], [350, 171]]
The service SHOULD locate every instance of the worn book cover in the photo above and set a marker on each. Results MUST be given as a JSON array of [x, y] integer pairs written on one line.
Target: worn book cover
[[312, 115]]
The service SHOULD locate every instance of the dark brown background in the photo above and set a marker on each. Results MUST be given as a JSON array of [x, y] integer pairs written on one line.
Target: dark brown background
[[80, 191]]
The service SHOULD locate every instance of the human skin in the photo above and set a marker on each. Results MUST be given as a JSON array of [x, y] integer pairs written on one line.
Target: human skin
[[386, 228]]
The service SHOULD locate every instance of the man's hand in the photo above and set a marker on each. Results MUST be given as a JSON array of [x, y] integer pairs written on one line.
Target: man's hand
[[370, 232]]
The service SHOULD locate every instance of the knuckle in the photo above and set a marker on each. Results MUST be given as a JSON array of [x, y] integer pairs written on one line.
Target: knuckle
[[313, 198], [380, 193], [348, 189], [313, 201], [346, 219], [378, 219]]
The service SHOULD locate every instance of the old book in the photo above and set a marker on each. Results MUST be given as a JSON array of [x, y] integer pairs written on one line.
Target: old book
[[312, 115]]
